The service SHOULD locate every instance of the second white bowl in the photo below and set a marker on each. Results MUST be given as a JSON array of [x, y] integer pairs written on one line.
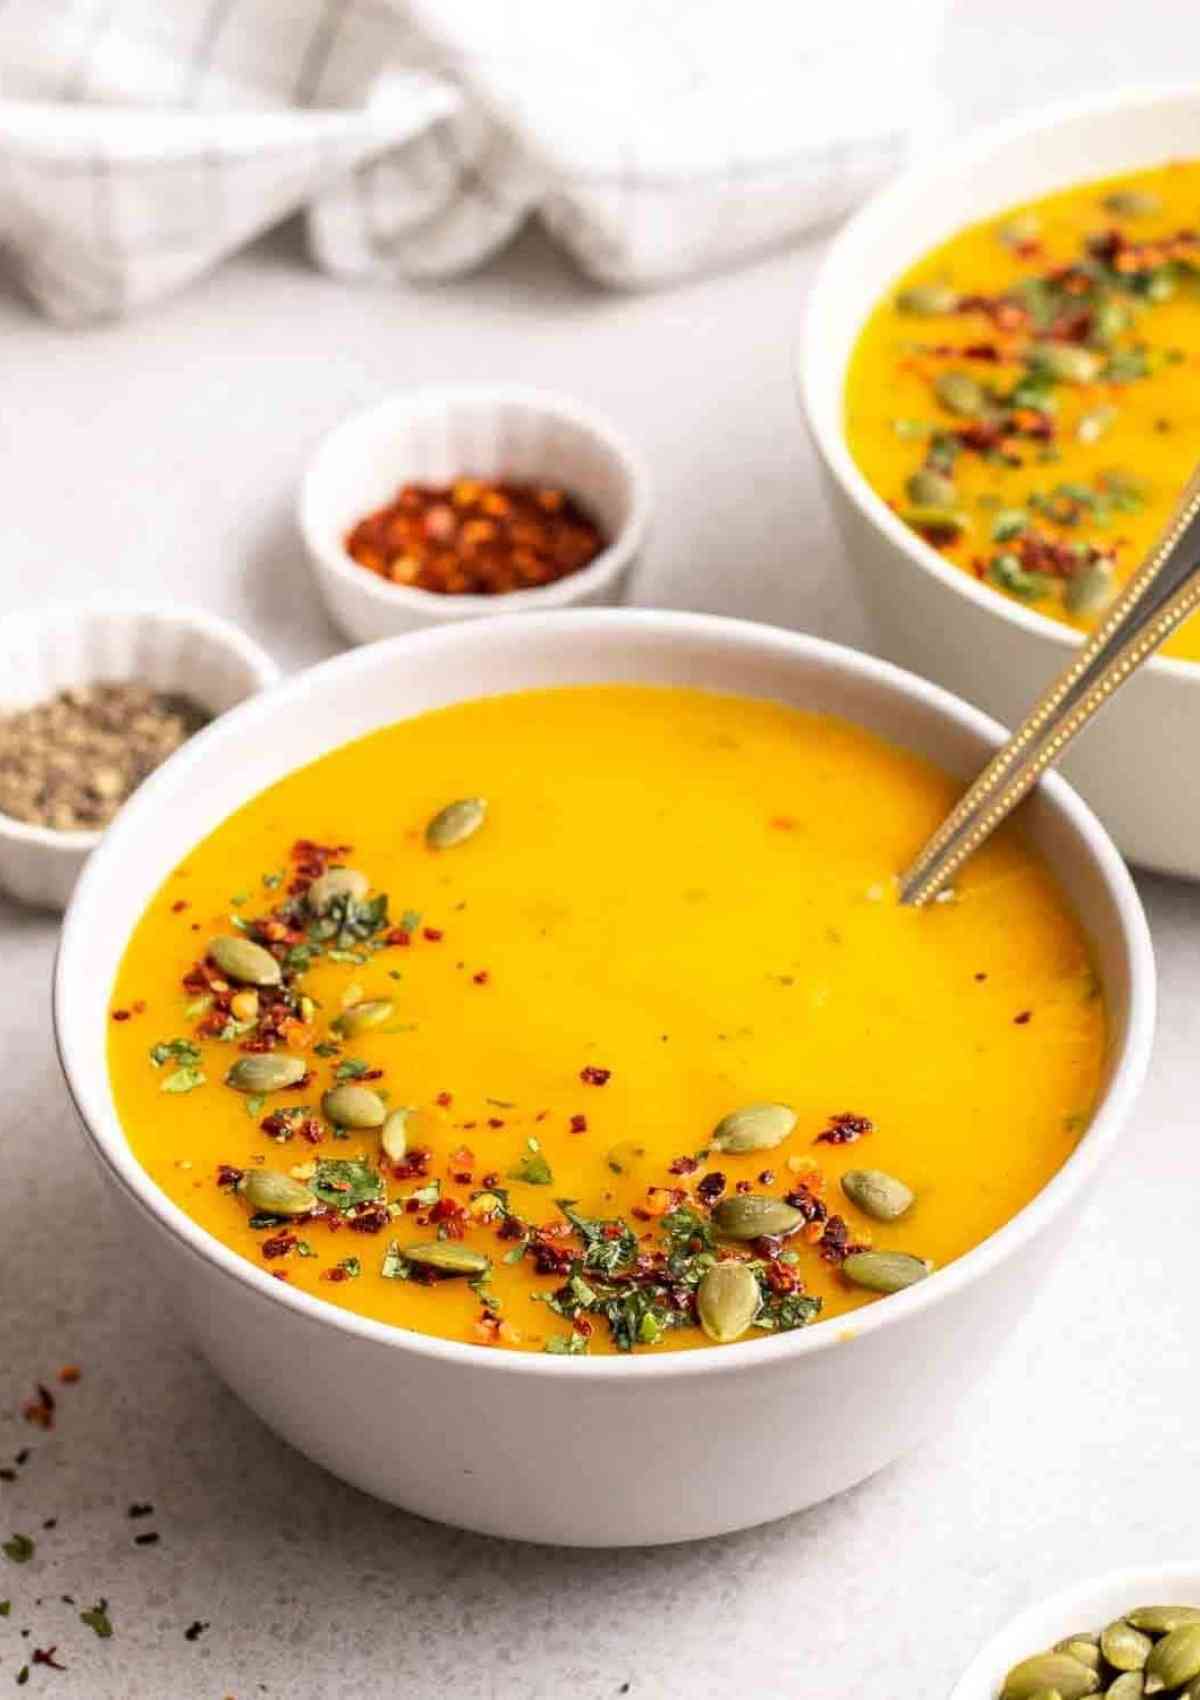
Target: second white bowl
[[432, 436]]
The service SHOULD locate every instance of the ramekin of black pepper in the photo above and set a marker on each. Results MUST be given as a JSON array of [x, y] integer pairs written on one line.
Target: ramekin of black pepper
[[93, 697]]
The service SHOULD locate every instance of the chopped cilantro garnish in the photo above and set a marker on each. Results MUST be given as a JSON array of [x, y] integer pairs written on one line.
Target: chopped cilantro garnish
[[19, 1549], [608, 1245], [344, 1182], [352, 1266], [254, 1105], [395, 1266], [572, 1345], [98, 1619], [182, 1051], [533, 1169], [184, 1079], [351, 1068]]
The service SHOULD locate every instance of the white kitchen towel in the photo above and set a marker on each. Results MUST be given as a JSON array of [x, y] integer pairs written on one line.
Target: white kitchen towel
[[141, 140]]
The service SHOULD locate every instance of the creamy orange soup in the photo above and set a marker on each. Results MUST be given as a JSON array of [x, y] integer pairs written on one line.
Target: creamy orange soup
[[1026, 396], [640, 1006]]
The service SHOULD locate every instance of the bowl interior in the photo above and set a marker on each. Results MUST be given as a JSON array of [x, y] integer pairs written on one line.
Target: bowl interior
[[436, 437], [268, 736]]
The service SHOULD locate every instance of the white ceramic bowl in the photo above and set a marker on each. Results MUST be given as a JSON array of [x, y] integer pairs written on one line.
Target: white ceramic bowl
[[1086, 1605], [457, 430], [606, 1450], [44, 650], [1135, 766]]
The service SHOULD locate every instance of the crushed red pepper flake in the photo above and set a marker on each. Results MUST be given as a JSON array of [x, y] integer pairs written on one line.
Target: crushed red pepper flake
[[482, 978], [578, 1124], [844, 1128], [45, 1656], [1025, 1016], [40, 1409], [593, 1076], [69, 1374]]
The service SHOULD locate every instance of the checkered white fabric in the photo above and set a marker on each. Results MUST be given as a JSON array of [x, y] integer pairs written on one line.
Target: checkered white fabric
[[141, 140]]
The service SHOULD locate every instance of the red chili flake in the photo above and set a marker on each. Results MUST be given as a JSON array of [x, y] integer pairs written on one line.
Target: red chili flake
[[433, 934], [69, 1374], [593, 1076], [491, 1179], [783, 823], [139, 1006], [400, 936], [807, 1203], [495, 1121], [228, 1176], [120, 1015], [844, 1128], [551, 1259], [482, 978], [511, 1228], [45, 1656], [180, 904], [578, 1124], [278, 1245], [767, 1177], [449, 1213], [711, 1187], [683, 1166], [337, 1273], [744, 1186], [445, 1099], [369, 1219], [836, 1244], [40, 1410], [1025, 1015]]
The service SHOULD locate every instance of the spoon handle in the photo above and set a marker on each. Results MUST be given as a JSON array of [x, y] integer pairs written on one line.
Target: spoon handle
[[1161, 594]]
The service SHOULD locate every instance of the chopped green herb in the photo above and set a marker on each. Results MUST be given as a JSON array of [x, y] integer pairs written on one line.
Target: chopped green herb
[[533, 1169], [272, 881], [395, 1266], [303, 1249], [198, 1006], [1009, 523], [608, 1245], [19, 1549], [5, 1607], [344, 1182], [572, 1345], [327, 1048], [239, 898], [410, 921], [254, 1106], [98, 1619], [184, 1080], [351, 1068], [175, 1050], [352, 1266]]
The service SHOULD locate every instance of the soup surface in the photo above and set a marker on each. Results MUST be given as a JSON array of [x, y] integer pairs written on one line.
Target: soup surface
[[1026, 396], [677, 905]]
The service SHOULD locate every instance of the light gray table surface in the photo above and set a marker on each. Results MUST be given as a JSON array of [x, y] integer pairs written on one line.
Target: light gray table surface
[[162, 455]]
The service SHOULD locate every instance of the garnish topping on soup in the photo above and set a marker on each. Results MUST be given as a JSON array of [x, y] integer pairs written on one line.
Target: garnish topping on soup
[[587, 1020]]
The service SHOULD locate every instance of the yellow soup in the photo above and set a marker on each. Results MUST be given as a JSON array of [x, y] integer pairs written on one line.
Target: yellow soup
[[1026, 397], [665, 907]]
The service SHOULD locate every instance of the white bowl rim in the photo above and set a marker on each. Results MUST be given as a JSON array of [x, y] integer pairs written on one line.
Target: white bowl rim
[[428, 398], [1070, 1606], [841, 256], [108, 1140], [222, 631]]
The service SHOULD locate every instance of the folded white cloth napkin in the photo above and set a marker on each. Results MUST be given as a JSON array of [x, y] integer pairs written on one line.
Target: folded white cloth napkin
[[140, 140]]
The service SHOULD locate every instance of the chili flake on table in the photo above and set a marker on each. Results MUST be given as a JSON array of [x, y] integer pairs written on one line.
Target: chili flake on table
[[475, 537]]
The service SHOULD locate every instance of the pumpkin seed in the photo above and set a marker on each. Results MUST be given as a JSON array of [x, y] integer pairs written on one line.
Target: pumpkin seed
[[266, 1071], [1026, 227], [877, 1194], [276, 1194], [1125, 1647], [749, 1215], [727, 1301], [338, 883], [757, 1127], [456, 823], [1131, 203], [1131, 1685], [362, 1017], [1160, 1620], [246, 962], [959, 392], [354, 1106], [930, 489], [928, 299], [393, 1135], [1174, 1660], [1090, 592], [886, 1272], [1085, 1648], [447, 1257], [944, 524], [1069, 363], [1058, 1672]]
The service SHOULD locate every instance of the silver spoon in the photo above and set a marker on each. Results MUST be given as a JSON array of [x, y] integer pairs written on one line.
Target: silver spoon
[[1161, 594]]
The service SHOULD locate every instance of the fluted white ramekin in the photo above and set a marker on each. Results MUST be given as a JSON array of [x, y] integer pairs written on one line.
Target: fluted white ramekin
[[447, 431], [46, 650]]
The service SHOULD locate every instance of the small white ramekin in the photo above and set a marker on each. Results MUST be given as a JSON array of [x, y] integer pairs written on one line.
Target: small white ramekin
[[450, 431], [1086, 1605], [46, 650]]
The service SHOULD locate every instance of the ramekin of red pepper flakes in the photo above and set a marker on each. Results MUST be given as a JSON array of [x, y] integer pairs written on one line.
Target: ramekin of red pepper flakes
[[476, 537]]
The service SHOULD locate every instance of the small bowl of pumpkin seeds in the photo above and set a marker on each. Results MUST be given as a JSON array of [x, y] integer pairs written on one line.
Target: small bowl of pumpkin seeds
[[1122, 1636]]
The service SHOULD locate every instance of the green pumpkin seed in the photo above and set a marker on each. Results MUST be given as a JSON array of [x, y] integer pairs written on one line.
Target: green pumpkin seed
[[749, 1215], [1160, 1620], [960, 393], [362, 1017], [246, 962], [1069, 363], [1125, 1647], [456, 823], [276, 1194], [1090, 592], [727, 1301], [1132, 203], [943, 523], [354, 1106], [1085, 1648], [878, 1195], [393, 1135], [266, 1071], [885, 1271], [447, 1257], [757, 1127], [1131, 1685], [331, 887], [929, 489], [1174, 1660], [927, 300], [1058, 1672]]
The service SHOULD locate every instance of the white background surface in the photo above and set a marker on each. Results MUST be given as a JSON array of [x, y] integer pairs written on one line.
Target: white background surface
[[162, 456]]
